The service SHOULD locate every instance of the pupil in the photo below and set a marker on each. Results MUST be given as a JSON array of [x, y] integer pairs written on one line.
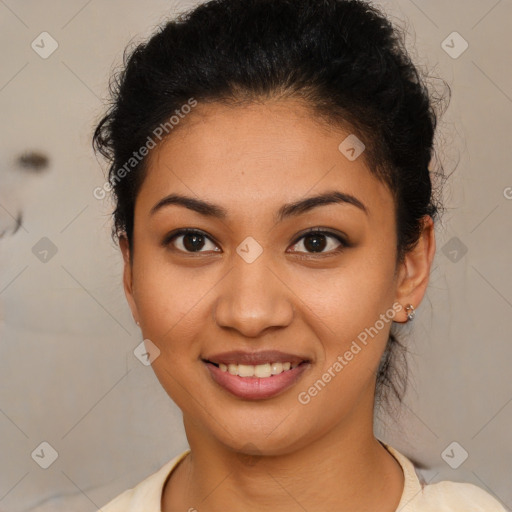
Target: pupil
[[315, 243], [192, 241]]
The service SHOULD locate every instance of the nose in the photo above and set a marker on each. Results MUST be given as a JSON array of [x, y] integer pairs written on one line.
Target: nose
[[253, 299]]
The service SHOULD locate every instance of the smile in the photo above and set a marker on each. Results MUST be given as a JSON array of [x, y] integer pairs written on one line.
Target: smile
[[256, 376]]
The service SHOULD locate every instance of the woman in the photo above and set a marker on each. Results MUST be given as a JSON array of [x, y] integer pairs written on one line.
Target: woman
[[275, 211]]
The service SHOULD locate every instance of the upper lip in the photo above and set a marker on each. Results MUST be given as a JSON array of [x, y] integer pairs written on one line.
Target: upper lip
[[255, 358]]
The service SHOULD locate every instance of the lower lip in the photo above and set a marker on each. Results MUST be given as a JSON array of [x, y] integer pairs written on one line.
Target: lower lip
[[255, 388]]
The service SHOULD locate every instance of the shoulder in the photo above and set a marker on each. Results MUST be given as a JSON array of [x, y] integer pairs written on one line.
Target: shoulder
[[457, 497], [121, 502], [147, 494], [445, 496]]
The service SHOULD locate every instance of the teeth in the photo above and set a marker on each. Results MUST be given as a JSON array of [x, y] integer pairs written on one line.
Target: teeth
[[277, 368], [261, 371], [246, 370]]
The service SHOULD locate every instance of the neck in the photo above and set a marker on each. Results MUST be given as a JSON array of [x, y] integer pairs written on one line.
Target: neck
[[346, 469]]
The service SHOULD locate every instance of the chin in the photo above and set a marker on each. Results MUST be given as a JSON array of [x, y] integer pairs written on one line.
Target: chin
[[267, 435]]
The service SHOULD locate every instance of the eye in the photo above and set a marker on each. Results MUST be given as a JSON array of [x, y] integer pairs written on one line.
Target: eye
[[318, 241], [314, 241], [190, 241]]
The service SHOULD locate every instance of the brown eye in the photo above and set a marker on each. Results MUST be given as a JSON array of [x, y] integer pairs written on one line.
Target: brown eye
[[315, 243], [320, 242], [190, 241], [193, 242]]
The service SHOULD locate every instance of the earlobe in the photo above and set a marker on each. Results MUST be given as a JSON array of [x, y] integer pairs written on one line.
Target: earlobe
[[415, 270], [128, 277]]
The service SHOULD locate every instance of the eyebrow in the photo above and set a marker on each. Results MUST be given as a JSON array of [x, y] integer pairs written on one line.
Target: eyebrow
[[288, 210]]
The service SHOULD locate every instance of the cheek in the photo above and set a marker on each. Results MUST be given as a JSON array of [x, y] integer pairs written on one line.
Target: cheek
[[352, 312], [172, 303], [355, 336], [173, 312], [353, 295]]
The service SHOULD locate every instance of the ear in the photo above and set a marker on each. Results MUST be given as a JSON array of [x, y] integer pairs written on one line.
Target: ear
[[128, 276], [414, 271]]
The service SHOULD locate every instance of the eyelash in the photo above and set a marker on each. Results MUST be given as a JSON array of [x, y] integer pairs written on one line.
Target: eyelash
[[320, 231]]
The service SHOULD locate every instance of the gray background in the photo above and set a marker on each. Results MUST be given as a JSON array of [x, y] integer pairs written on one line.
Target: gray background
[[68, 375]]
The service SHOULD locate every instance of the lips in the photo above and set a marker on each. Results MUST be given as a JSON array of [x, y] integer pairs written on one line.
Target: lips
[[245, 374]]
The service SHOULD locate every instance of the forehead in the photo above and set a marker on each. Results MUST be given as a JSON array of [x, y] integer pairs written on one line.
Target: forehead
[[258, 155]]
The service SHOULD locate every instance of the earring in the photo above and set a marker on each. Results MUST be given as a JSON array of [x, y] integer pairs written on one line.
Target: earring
[[410, 312], [137, 323]]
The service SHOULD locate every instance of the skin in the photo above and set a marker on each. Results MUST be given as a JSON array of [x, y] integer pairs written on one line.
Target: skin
[[273, 454]]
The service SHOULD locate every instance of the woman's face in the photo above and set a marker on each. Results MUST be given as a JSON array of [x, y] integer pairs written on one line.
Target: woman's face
[[254, 281]]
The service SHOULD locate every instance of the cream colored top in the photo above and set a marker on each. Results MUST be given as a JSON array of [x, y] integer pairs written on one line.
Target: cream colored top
[[416, 497]]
